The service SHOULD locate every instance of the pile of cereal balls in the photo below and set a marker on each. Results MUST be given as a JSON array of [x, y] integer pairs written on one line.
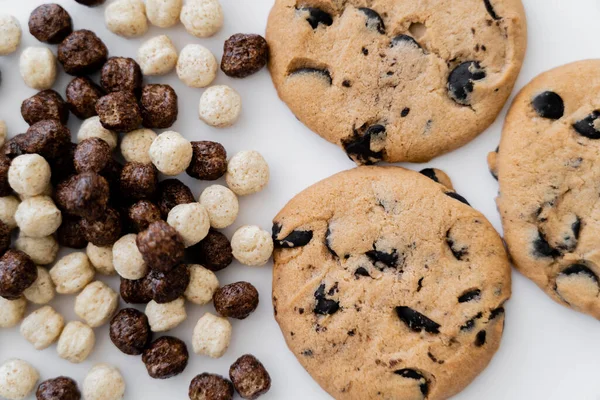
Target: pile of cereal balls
[[162, 241]]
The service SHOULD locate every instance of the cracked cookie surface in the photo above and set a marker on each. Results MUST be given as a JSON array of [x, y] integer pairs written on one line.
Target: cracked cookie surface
[[392, 288], [396, 80]]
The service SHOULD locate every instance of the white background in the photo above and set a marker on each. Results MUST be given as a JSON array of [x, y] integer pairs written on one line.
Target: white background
[[548, 351]]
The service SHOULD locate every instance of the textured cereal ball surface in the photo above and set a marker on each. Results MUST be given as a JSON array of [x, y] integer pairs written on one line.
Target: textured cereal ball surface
[[168, 286], [251, 245], [126, 18], [163, 317], [92, 127], [191, 221], [50, 23], [171, 153], [42, 327], [135, 145], [211, 336], [209, 161], [221, 204], [196, 66], [236, 300], [121, 74], [10, 34], [29, 174], [103, 231], [210, 387], [38, 67], [17, 379], [85, 195], [92, 155], [38, 216], [101, 258], [5, 188], [47, 104], [82, 52], [103, 382], [5, 237], [82, 94], [161, 246], [119, 111], [220, 106], [159, 106], [202, 18], [17, 273], [42, 290], [157, 56], [130, 332], [8, 208], [70, 233], [249, 377], [163, 13], [247, 173], [127, 259], [42, 251], [96, 304], [172, 192], [244, 55], [135, 292], [202, 286], [141, 214], [76, 342], [72, 273], [12, 311], [214, 252], [61, 388], [165, 357], [138, 181]]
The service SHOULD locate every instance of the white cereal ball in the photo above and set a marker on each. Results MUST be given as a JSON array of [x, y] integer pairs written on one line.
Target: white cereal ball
[[38, 67], [211, 336], [252, 245], [191, 221], [163, 13], [202, 286], [135, 145], [222, 205], [92, 127], [3, 131], [10, 34], [29, 174], [103, 382], [72, 273], [126, 18], [196, 66], [167, 316], [38, 217], [48, 192], [220, 106], [101, 258], [247, 173], [171, 153], [202, 18], [11, 311], [127, 259], [157, 56], [76, 342], [42, 290], [42, 251], [17, 379], [8, 208], [42, 327], [96, 304]]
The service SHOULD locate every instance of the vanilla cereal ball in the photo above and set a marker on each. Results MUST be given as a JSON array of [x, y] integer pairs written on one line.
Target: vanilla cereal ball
[[135, 145], [42, 251], [103, 382], [202, 18], [220, 106], [8, 208], [92, 127], [17, 379], [96, 304], [72, 273], [38, 217], [196, 66], [101, 258], [11, 311], [222, 205], [3, 132], [171, 153], [126, 18], [42, 327], [29, 174], [42, 290], [167, 316], [48, 192], [157, 56], [202, 286], [247, 173], [76, 342], [211, 336], [10, 34], [38, 67], [191, 220], [252, 245], [163, 13], [127, 259]]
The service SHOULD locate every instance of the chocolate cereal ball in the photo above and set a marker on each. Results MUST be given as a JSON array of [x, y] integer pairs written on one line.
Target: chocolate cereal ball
[[121, 74], [138, 181], [85, 195], [249, 377], [209, 161], [105, 230], [159, 106], [135, 291], [161, 246], [169, 286], [166, 357], [14, 146], [61, 388], [119, 111], [210, 387], [70, 233], [82, 53], [17, 273], [213, 252], [48, 138], [130, 331], [236, 300], [172, 192], [64, 166], [141, 214], [50, 23], [4, 237], [244, 55], [5, 189], [92, 155], [46, 104], [82, 95]]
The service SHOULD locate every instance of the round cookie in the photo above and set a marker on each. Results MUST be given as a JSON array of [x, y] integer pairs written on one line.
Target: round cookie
[[400, 81], [547, 167], [393, 282]]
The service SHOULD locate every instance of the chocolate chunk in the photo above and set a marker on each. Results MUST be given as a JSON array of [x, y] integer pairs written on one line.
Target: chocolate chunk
[[165, 357], [138, 181], [405, 112], [172, 192], [210, 387], [325, 306], [366, 144], [249, 377], [244, 55], [361, 271], [430, 173], [417, 321], [48, 138], [82, 53], [213, 252], [91, 3], [158, 104], [236, 300], [85, 195], [92, 155], [374, 20], [323, 73], [17, 273], [480, 338], [70, 232], [412, 374], [161, 246], [577, 269], [490, 9], [548, 105], [14, 148], [46, 104], [587, 126], [458, 197], [541, 247], [82, 96], [470, 324], [136, 291], [105, 230], [461, 81], [169, 286], [470, 295], [209, 161], [317, 16], [50, 23], [404, 40], [61, 388], [297, 238], [328, 243], [130, 331], [496, 313], [459, 252], [142, 214], [388, 259], [121, 74], [119, 111]]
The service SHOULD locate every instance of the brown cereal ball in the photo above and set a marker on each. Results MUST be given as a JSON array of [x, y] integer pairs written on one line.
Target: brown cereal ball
[[85, 195], [61, 388], [236, 300], [136, 291], [138, 181], [47, 104], [244, 55], [169, 286], [4, 237], [64, 166], [48, 138], [209, 161], [161, 246], [159, 106], [165, 357], [105, 230], [142, 214], [82, 96], [210, 387], [82, 53], [70, 233], [119, 111], [5, 189], [17, 273], [121, 74], [130, 331], [50, 23], [14, 146], [213, 252], [171, 193], [92, 155], [249, 377]]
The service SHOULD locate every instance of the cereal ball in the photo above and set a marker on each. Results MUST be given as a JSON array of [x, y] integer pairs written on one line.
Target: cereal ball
[[244, 55], [165, 357], [196, 66], [211, 336], [42, 327], [8, 208], [46, 104], [92, 155], [172, 192], [220, 106], [42, 290], [82, 94], [29, 174], [236, 300], [202, 286], [10, 34], [135, 145], [96, 304], [130, 331], [121, 74], [157, 56], [249, 377], [247, 173], [252, 245], [101, 258], [5, 188], [63, 167], [91, 3], [167, 287], [222, 205], [213, 252], [17, 273], [50, 23], [159, 106], [11, 311], [48, 138], [202, 18], [126, 18], [142, 214], [127, 259], [11, 149], [209, 161], [92, 127], [163, 13], [38, 67], [103, 382], [85, 195], [3, 132], [82, 53], [72, 273], [69, 233], [38, 216], [166, 316], [61, 388], [119, 111], [103, 231], [138, 181], [17, 379], [136, 292], [191, 221], [210, 387], [42, 251], [76, 342], [161, 246], [5, 237], [171, 153]]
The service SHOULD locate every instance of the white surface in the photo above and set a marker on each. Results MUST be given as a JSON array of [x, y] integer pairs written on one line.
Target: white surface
[[548, 351]]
